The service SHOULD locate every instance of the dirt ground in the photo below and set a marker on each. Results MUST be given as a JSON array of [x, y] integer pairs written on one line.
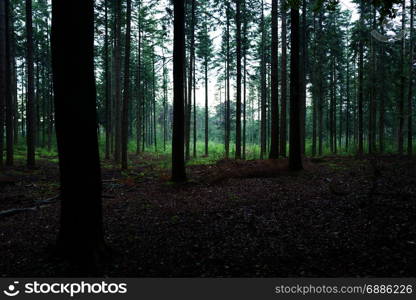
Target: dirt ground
[[341, 216]]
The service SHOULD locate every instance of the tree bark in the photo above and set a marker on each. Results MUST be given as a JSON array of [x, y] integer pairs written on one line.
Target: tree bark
[[117, 83], [107, 87], [178, 161], [410, 92], [274, 144], [9, 91], [31, 105], [227, 101], [3, 84], [81, 230], [126, 91], [400, 134], [263, 83], [360, 82], [295, 153], [238, 104], [283, 98]]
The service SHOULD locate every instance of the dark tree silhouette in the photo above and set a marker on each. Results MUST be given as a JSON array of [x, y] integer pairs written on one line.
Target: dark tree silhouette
[[360, 84], [107, 86], [81, 231], [9, 92], [238, 104], [126, 91], [283, 97], [3, 64], [274, 145], [295, 152], [410, 92], [178, 138], [31, 105]]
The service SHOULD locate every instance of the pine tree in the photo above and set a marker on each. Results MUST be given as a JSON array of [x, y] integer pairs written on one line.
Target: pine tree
[[178, 161], [81, 232]]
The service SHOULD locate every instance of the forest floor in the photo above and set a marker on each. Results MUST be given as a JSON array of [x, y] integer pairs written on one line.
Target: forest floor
[[341, 216]]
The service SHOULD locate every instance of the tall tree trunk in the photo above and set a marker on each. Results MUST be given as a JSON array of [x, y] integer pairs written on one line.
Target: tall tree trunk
[[194, 109], [238, 104], [23, 99], [303, 68], [244, 41], [190, 80], [295, 152], [107, 87], [139, 103], [334, 110], [3, 84], [331, 105], [30, 108], [126, 91], [274, 144], [283, 98], [410, 92], [81, 231], [360, 82], [400, 135], [347, 117], [154, 99], [206, 106], [16, 115], [178, 161], [227, 101], [263, 86], [372, 108], [314, 90], [165, 102], [381, 125], [9, 91], [117, 83]]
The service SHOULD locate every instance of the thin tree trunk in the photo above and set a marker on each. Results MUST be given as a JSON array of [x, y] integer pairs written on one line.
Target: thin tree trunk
[[283, 98], [303, 71], [372, 112], [381, 122], [263, 86], [347, 118], [314, 90], [139, 115], [194, 121], [274, 144], [227, 101], [410, 92], [295, 152], [360, 83], [206, 107], [16, 115], [31, 105], [190, 78], [238, 104], [9, 91], [165, 102], [126, 96], [117, 83], [154, 99], [334, 111], [3, 81], [400, 135], [107, 87]]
